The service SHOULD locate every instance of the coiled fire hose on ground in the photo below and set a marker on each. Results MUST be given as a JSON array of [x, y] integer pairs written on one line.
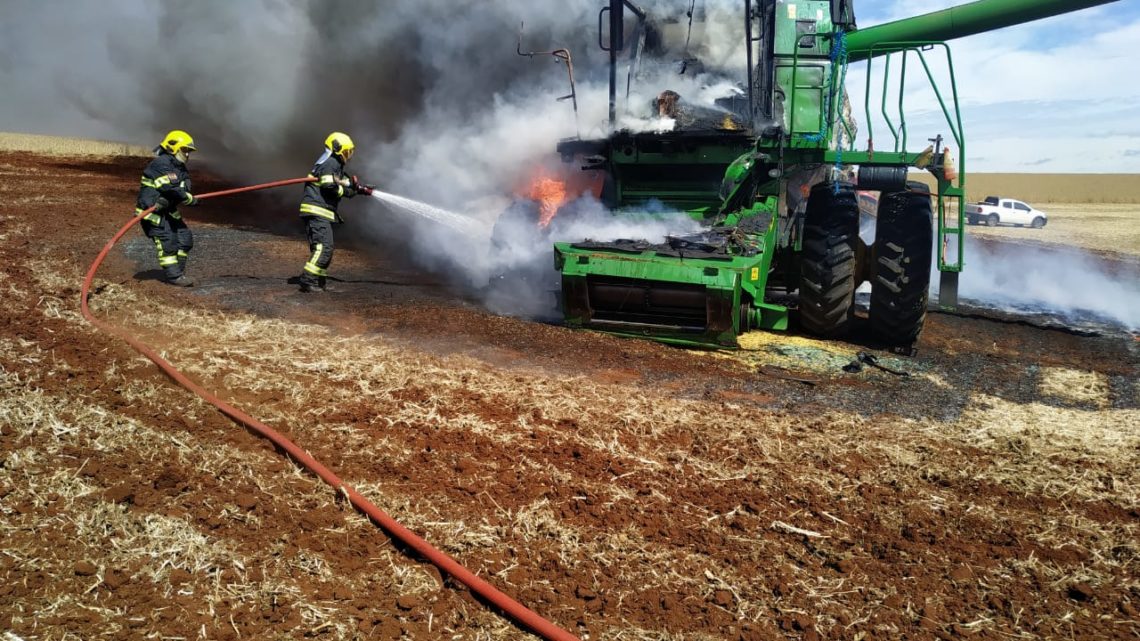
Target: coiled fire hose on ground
[[514, 609]]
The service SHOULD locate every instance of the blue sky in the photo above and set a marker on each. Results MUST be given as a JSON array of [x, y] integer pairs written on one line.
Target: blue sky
[[1053, 96]]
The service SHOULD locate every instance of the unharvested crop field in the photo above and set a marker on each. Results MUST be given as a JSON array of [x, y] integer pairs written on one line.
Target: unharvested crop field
[[63, 146], [1051, 188], [623, 489]]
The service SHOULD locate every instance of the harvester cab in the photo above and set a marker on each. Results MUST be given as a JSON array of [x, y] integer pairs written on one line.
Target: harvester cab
[[771, 171]]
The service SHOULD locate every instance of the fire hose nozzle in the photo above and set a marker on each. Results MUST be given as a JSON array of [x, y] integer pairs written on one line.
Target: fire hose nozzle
[[362, 188]]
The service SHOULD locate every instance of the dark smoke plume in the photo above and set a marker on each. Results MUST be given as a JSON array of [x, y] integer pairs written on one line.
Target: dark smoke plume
[[260, 83]]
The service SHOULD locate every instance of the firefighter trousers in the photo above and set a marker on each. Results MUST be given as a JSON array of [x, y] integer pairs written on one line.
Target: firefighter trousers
[[172, 241], [320, 234]]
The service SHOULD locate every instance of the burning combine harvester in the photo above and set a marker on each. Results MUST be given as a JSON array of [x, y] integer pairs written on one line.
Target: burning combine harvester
[[770, 172]]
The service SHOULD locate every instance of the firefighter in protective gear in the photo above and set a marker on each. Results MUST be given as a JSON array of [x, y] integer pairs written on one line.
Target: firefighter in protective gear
[[319, 207], [165, 186]]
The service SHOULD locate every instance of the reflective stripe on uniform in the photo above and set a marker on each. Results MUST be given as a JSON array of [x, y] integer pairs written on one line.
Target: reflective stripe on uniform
[[312, 266], [174, 214], [327, 179], [146, 182], [161, 181], [151, 218], [316, 210], [164, 259]]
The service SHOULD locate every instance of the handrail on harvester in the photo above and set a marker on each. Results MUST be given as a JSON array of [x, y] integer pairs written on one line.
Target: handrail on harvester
[[915, 35]]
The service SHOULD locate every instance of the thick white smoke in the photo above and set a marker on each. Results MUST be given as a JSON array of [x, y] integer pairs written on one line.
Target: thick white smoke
[[1069, 284], [261, 83], [517, 276]]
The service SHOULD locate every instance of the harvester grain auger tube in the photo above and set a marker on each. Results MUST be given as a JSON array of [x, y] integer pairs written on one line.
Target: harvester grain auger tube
[[520, 613], [957, 22]]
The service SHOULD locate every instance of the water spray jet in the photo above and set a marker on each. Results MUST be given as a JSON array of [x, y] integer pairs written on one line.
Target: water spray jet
[[453, 220]]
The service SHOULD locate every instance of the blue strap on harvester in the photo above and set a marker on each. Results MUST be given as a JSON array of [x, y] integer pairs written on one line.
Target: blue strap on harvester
[[838, 55]]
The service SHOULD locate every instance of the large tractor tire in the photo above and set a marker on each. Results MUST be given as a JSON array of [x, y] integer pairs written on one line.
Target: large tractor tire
[[904, 242], [827, 262]]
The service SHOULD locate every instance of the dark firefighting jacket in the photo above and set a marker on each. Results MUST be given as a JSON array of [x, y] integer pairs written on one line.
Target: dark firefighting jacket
[[165, 176], [323, 196]]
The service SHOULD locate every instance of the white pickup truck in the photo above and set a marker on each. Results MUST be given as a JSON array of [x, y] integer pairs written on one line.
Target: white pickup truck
[[1006, 211]]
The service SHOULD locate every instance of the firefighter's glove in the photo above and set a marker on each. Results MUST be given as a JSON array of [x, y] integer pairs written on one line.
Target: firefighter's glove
[[360, 187], [161, 204], [191, 199]]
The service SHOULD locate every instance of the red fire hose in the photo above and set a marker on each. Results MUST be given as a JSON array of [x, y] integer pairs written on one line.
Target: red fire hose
[[516, 610]]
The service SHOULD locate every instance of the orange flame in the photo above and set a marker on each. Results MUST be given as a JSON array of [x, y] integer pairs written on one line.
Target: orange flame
[[553, 187], [550, 194]]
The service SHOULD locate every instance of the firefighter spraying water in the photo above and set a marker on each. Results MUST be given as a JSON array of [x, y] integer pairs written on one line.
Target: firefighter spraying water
[[319, 207], [450, 219]]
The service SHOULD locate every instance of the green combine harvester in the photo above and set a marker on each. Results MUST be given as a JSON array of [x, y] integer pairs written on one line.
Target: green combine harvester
[[774, 184]]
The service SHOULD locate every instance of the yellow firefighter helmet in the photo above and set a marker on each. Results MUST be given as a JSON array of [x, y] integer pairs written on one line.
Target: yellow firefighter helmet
[[177, 141], [340, 144]]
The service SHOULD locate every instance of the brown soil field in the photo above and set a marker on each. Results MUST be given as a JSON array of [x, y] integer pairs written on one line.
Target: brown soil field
[[623, 489]]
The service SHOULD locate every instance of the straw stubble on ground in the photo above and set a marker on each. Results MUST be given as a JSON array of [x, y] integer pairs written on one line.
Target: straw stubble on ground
[[625, 490]]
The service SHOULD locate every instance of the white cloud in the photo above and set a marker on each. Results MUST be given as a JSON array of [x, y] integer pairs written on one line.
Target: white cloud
[[1059, 89]]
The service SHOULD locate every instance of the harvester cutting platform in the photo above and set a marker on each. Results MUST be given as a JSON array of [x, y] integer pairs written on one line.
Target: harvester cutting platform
[[773, 181]]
